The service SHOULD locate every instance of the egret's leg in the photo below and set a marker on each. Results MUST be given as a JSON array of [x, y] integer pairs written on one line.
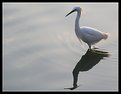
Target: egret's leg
[[92, 50], [89, 47]]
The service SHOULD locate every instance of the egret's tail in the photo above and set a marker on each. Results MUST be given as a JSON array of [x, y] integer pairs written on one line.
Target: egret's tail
[[105, 35]]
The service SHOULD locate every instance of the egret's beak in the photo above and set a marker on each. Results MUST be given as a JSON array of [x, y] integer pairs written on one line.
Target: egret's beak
[[70, 13]]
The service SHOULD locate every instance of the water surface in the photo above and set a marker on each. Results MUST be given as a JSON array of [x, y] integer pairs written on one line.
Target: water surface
[[41, 50]]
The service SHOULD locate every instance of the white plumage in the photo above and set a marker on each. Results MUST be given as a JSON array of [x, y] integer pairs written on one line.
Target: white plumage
[[87, 34]]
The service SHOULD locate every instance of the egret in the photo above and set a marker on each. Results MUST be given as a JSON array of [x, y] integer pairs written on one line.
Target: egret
[[87, 34]]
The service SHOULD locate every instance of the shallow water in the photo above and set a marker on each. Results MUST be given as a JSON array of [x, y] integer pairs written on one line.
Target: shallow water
[[40, 48]]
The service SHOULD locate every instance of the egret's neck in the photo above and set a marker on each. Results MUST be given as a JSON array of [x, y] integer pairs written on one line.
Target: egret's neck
[[77, 21]]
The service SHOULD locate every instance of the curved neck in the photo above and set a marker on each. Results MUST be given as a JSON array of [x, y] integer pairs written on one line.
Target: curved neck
[[77, 20]]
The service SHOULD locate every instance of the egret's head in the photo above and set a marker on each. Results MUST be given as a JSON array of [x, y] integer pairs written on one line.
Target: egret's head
[[78, 9]]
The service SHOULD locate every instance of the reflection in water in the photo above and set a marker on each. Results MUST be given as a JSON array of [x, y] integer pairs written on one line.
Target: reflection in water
[[87, 62]]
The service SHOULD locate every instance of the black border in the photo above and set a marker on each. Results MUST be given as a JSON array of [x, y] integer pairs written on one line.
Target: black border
[[49, 1]]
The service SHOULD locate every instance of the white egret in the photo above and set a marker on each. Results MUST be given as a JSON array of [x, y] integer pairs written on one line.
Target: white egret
[[87, 34]]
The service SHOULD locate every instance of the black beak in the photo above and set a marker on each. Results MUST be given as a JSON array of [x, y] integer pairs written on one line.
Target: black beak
[[70, 13]]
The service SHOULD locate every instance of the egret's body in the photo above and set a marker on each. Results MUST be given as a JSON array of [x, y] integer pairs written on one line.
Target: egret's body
[[87, 34]]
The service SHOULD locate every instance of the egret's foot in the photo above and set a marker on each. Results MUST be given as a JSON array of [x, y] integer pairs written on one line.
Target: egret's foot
[[106, 54], [91, 50]]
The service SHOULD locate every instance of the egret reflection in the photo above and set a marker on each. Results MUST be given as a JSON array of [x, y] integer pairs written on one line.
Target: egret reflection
[[87, 62]]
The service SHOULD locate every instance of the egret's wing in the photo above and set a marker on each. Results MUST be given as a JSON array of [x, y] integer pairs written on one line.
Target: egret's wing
[[91, 34], [91, 31]]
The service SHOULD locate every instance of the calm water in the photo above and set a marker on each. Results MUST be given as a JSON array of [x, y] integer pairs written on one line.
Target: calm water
[[41, 50]]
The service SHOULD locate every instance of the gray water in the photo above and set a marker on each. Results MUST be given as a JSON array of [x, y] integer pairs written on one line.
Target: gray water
[[41, 50]]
